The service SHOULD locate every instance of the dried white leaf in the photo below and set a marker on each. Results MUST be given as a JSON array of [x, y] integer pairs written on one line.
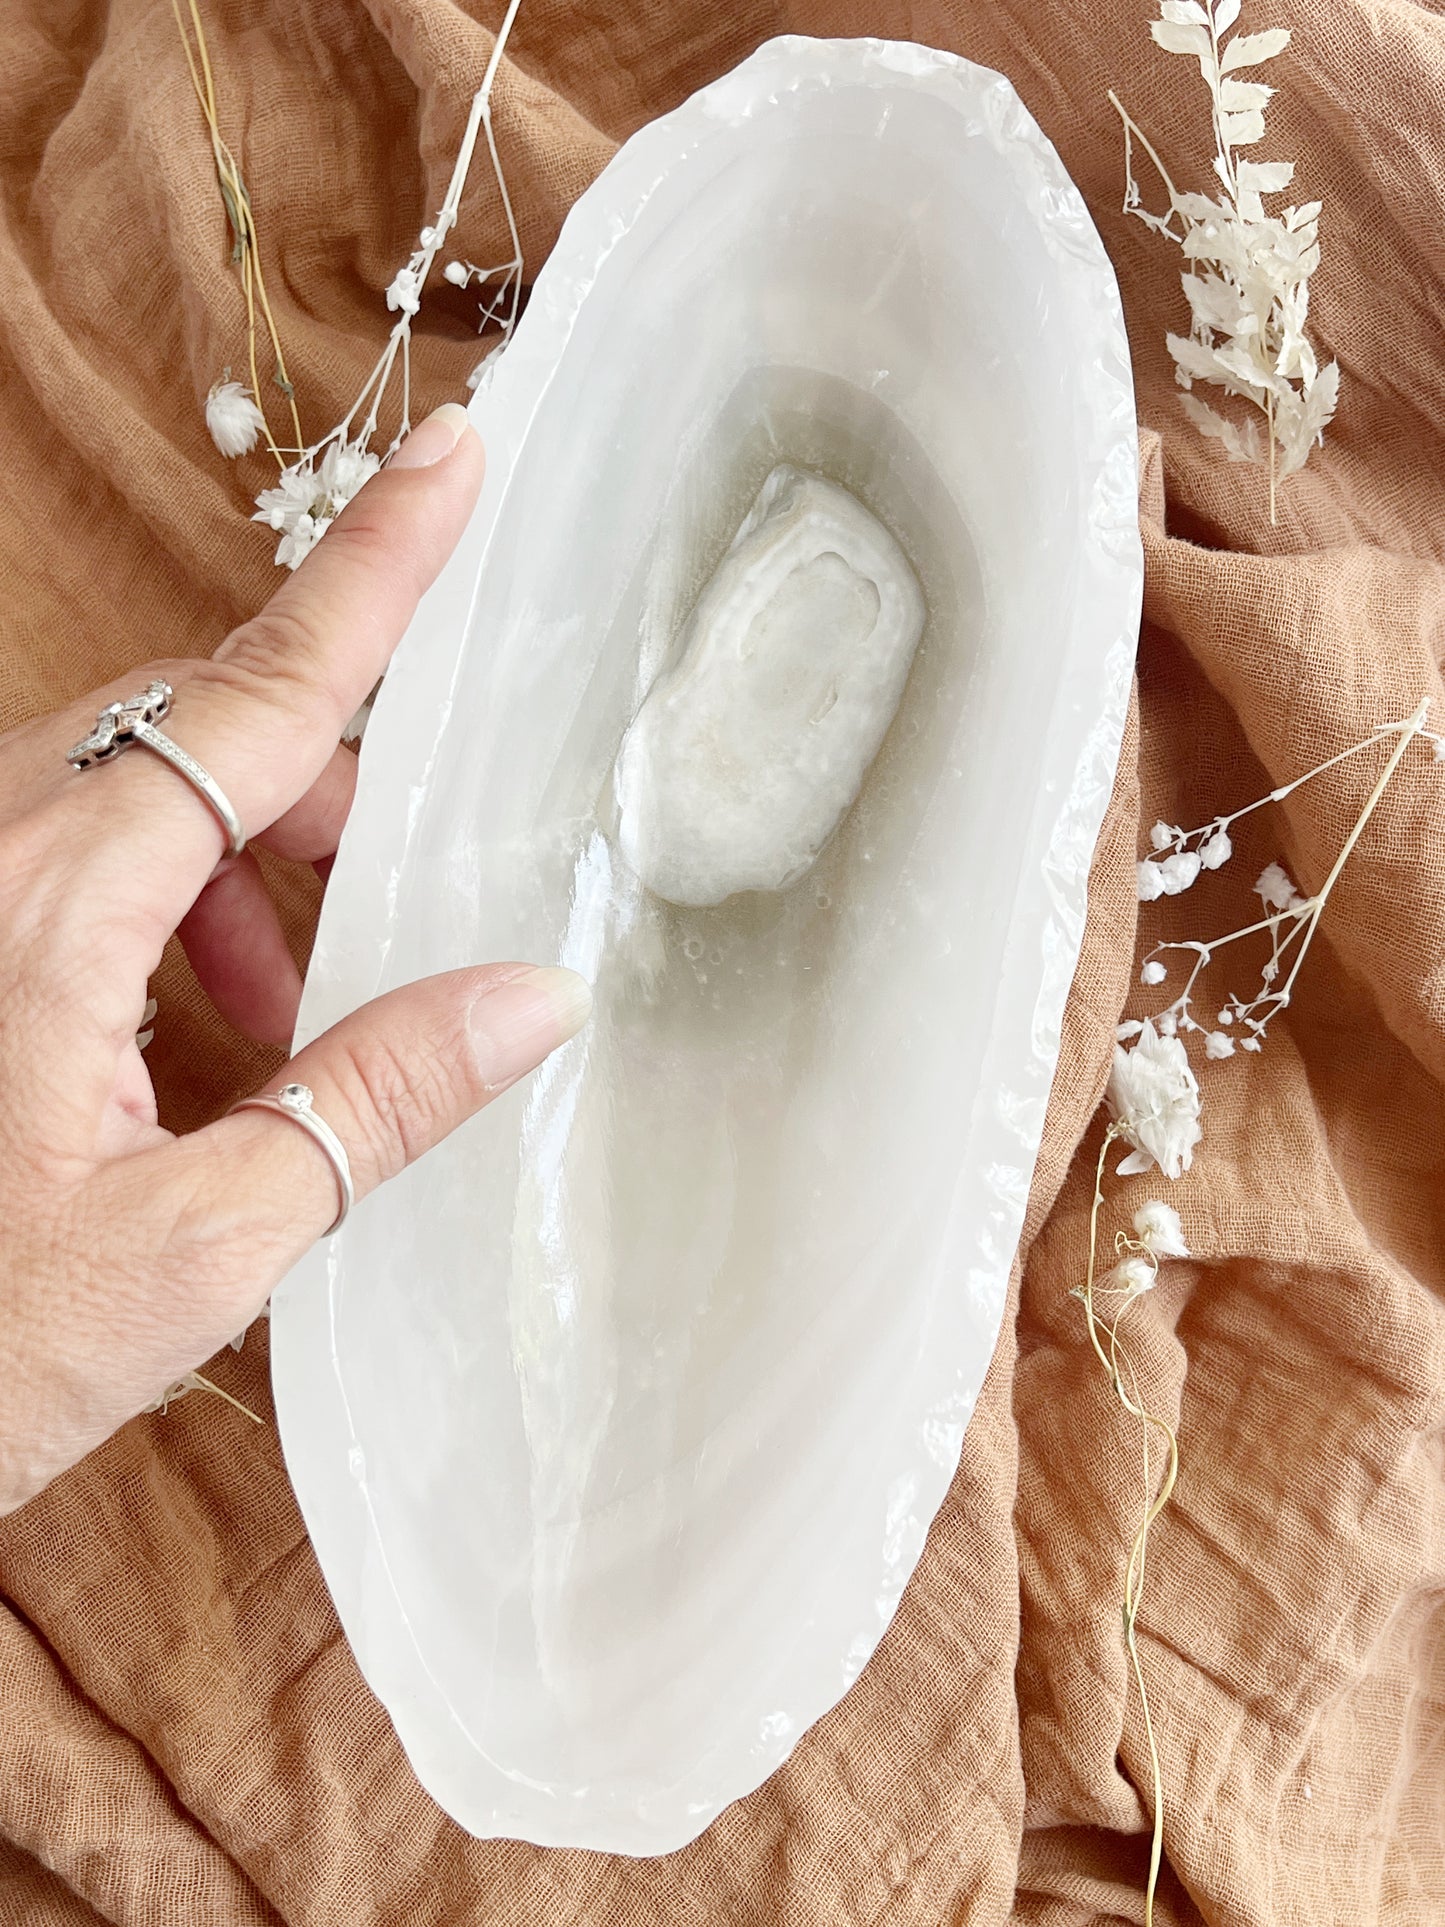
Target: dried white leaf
[[1241, 440], [1265, 177], [1310, 421], [1199, 207], [1242, 130], [1195, 359], [1176, 39], [1244, 96], [1249, 49], [1213, 303], [1226, 12]]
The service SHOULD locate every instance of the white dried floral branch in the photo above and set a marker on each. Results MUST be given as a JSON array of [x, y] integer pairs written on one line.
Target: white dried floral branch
[[1290, 919], [321, 478], [1153, 1100], [1157, 1234], [1247, 282], [313, 490]]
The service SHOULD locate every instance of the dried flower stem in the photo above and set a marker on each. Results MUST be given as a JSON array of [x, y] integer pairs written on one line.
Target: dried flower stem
[[1133, 132], [246, 249], [479, 120], [197, 1382], [314, 489], [1104, 1337]]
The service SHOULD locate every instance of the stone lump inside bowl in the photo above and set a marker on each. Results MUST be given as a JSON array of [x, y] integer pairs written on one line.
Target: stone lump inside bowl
[[746, 754], [619, 1422]]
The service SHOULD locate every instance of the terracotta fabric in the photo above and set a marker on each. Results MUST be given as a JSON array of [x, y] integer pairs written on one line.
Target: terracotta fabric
[[184, 1737]]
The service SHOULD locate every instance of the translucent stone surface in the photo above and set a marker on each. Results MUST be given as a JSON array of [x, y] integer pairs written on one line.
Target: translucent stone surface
[[619, 1421], [750, 746]]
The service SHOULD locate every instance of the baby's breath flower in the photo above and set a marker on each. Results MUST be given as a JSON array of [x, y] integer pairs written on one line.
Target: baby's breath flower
[[1275, 889], [1153, 973], [1216, 1044], [1161, 836], [1134, 1275], [1216, 850], [404, 294], [1154, 1100], [1168, 877], [1178, 872], [1157, 1225], [233, 418]]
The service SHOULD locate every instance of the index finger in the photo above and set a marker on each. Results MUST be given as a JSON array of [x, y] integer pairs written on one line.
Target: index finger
[[264, 715]]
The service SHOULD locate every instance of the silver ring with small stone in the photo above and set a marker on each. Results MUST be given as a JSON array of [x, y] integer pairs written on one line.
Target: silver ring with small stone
[[120, 726], [297, 1102]]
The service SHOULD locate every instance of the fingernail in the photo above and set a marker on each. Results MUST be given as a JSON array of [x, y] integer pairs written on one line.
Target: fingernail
[[434, 439], [513, 1027]]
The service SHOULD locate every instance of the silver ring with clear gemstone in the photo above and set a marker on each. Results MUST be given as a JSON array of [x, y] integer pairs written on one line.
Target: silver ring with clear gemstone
[[297, 1102], [119, 726]]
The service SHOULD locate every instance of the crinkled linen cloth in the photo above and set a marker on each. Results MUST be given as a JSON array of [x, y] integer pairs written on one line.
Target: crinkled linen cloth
[[184, 1737]]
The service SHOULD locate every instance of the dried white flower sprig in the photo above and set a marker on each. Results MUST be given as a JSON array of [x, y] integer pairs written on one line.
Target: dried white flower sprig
[[315, 488], [1248, 273], [1289, 922], [1153, 1101], [1158, 1234], [318, 480]]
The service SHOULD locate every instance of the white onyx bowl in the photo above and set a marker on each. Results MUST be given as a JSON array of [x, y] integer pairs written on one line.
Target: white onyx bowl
[[619, 1422]]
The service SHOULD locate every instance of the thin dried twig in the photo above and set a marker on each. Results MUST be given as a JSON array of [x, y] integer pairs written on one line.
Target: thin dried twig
[[245, 250], [1103, 1328]]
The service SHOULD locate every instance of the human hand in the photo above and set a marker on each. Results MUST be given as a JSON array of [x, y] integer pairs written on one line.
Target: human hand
[[130, 1256]]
